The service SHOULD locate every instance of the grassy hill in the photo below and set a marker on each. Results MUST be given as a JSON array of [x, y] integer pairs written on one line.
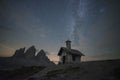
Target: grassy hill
[[92, 70], [20, 73]]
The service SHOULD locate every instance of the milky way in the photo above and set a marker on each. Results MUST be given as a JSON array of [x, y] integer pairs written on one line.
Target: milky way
[[96, 26], [91, 25]]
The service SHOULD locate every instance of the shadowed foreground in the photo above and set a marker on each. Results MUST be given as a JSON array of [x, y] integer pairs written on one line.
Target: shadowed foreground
[[93, 70]]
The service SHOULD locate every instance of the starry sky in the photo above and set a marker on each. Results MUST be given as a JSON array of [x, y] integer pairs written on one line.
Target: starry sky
[[93, 26]]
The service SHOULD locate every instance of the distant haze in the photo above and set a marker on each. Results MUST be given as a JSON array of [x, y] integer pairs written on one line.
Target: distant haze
[[93, 26]]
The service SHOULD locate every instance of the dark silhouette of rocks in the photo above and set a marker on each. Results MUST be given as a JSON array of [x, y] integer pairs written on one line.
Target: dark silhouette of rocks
[[41, 53], [19, 53], [25, 58], [30, 53], [41, 56]]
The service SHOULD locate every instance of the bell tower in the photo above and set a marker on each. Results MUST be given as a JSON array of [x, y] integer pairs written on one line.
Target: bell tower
[[68, 44]]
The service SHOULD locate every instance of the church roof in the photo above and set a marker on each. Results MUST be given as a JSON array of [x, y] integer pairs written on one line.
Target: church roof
[[70, 51]]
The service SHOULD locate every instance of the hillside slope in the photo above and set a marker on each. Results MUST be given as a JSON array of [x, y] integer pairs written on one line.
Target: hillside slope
[[94, 70]]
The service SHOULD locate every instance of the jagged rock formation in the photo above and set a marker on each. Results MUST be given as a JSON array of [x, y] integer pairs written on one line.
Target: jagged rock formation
[[26, 58], [19, 53], [30, 53], [41, 57]]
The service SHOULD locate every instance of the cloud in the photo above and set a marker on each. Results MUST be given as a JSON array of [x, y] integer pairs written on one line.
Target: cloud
[[6, 50]]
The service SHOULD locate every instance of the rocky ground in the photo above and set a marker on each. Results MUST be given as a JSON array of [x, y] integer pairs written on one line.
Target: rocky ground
[[20, 73], [92, 70]]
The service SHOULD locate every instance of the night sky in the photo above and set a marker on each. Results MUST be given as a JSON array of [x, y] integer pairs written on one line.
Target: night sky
[[93, 26]]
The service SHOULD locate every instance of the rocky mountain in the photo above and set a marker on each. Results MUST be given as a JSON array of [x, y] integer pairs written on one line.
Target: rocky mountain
[[41, 55], [25, 58], [19, 53], [30, 52]]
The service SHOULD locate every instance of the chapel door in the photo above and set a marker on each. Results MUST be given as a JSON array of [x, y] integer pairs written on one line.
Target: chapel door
[[64, 59], [73, 58]]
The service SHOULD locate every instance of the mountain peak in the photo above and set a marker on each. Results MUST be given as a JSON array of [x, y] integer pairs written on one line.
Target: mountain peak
[[30, 53], [19, 52], [41, 53]]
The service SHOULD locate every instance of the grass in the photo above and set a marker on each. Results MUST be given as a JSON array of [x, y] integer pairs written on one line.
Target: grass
[[22, 72], [55, 72], [69, 69]]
